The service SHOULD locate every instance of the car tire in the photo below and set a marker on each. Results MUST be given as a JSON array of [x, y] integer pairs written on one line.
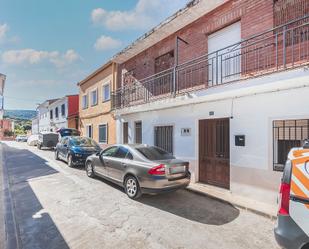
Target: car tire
[[70, 161], [56, 155], [132, 188], [89, 169]]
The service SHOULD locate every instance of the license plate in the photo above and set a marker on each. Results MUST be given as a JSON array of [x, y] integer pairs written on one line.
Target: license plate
[[177, 169]]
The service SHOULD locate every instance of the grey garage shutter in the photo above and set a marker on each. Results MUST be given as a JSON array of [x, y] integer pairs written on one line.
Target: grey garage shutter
[[163, 137]]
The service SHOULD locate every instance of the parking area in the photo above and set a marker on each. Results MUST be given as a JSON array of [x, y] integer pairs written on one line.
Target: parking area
[[54, 206]]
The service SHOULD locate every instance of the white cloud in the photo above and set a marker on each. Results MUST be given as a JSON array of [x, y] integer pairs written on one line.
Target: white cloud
[[32, 56], [107, 43], [3, 31], [144, 15]]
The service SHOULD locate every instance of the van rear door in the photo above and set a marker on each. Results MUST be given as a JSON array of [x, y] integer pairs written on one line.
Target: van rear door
[[299, 194]]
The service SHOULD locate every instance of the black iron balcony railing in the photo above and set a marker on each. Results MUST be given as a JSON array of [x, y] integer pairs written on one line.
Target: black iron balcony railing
[[278, 49]]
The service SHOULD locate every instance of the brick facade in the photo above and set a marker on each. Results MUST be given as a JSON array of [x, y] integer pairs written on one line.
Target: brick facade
[[255, 16]]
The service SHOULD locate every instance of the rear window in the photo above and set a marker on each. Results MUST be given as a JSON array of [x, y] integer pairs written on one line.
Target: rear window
[[69, 132], [155, 153]]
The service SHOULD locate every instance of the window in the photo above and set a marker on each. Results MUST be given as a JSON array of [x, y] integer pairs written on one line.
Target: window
[[94, 97], [63, 110], [56, 112], [110, 151], [51, 114], [163, 137], [122, 152], [138, 132], [286, 135], [103, 133], [89, 131], [125, 133], [154, 153], [85, 101], [106, 92]]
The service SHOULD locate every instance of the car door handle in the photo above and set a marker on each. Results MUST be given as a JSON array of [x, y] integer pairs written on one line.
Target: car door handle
[[124, 164], [299, 199]]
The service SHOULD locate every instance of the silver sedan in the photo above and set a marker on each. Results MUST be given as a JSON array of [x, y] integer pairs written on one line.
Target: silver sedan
[[139, 169]]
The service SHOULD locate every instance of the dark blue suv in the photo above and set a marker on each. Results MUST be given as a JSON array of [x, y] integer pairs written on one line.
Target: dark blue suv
[[75, 150]]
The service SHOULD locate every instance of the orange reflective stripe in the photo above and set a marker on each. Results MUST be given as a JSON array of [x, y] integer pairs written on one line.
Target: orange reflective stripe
[[298, 153], [298, 192], [301, 177], [300, 160]]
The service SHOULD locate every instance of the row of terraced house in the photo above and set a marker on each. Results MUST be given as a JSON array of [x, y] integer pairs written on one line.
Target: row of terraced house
[[223, 84]]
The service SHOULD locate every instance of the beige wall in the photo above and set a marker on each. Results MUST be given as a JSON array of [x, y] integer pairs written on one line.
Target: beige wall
[[100, 113]]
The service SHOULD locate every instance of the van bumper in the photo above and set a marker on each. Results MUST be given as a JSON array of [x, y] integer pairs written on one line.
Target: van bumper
[[288, 234]]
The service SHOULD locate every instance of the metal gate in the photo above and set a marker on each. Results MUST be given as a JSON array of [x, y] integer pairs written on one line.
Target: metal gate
[[163, 137]]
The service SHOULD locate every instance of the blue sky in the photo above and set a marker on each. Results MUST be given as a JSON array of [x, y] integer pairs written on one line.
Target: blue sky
[[46, 47]]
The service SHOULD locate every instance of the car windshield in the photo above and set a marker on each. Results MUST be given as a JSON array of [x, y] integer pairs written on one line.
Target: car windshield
[[83, 142], [69, 132], [154, 153]]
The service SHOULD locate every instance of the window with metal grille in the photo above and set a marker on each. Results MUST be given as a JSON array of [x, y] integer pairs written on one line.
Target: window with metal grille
[[286, 135], [138, 132], [125, 133], [163, 138]]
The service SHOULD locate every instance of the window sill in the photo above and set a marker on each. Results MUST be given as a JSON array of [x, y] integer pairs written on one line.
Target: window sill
[[105, 101]]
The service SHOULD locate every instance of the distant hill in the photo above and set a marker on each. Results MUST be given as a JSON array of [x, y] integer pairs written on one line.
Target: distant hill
[[20, 114]]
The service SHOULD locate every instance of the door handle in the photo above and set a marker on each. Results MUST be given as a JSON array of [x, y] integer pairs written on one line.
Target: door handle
[[124, 164], [299, 199]]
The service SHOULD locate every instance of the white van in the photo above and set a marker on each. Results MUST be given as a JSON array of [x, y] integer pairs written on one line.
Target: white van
[[292, 230]]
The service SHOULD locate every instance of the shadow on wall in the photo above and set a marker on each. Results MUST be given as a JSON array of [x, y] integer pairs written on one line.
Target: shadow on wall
[[34, 227]]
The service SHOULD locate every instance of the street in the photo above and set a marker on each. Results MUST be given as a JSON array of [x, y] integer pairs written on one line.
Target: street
[[49, 205]]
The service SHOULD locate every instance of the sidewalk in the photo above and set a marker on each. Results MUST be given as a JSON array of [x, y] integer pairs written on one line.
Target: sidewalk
[[239, 201]]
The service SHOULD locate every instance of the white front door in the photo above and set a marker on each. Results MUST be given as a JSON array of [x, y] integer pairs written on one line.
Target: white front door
[[224, 61]]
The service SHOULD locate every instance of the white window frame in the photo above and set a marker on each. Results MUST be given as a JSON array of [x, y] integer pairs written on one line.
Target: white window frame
[[87, 130], [106, 133], [85, 101], [92, 99], [103, 92]]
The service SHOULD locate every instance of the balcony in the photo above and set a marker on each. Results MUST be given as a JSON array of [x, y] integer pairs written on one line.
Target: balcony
[[278, 49]]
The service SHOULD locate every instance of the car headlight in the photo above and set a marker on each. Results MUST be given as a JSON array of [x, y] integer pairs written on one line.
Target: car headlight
[[78, 155]]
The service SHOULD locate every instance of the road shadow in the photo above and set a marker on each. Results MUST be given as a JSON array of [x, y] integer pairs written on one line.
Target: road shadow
[[193, 206], [27, 224]]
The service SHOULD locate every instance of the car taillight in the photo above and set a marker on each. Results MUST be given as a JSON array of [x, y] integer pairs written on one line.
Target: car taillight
[[284, 200], [157, 170]]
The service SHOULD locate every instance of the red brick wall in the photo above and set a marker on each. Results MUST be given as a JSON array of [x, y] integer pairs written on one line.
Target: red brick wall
[[255, 15]]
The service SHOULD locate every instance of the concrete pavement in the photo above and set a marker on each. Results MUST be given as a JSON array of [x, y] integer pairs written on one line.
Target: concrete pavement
[[60, 207]]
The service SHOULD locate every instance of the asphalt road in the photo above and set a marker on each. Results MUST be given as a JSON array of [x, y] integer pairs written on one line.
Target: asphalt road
[[48, 205]]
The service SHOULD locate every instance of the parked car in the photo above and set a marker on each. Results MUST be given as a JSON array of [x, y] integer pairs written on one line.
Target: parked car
[[139, 169], [292, 230], [47, 140], [21, 138], [75, 150], [65, 132], [33, 140]]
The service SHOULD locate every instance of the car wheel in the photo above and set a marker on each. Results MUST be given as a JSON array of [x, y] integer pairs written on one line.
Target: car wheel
[[132, 187], [70, 161], [56, 155], [89, 169]]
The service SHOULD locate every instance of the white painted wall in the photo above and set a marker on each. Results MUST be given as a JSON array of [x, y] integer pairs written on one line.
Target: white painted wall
[[253, 111]]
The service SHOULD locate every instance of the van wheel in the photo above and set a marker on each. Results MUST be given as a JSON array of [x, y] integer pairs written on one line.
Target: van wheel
[[132, 188]]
